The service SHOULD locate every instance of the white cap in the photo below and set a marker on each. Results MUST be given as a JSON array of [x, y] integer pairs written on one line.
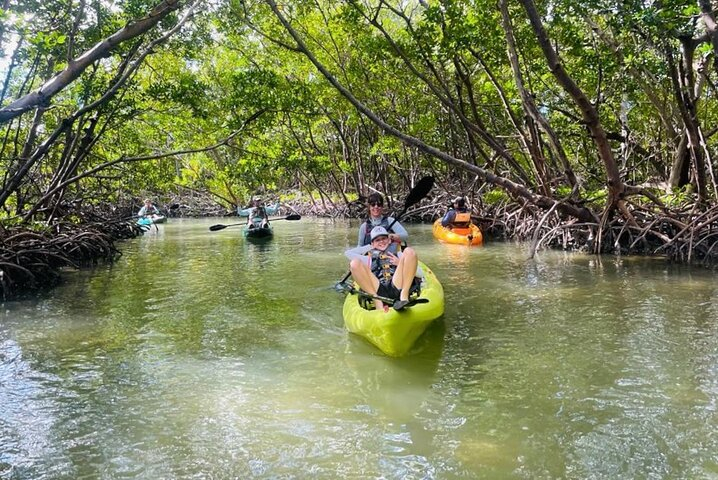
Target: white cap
[[378, 232]]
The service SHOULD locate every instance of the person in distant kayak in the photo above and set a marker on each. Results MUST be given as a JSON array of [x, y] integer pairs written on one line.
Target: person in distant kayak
[[148, 209], [458, 215], [257, 215], [378, 271], [397, 233]]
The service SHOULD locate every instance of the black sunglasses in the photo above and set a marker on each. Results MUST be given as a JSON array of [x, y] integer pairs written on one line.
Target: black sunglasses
[[376, 204]]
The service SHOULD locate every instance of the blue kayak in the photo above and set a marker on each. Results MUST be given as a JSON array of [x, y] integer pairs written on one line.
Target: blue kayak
[[150, 219]]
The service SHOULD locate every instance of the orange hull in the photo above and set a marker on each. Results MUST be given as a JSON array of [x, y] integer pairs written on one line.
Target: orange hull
[[459, 236]]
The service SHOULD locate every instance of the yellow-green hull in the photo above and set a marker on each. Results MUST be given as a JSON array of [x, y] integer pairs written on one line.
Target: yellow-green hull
[[395, 332]]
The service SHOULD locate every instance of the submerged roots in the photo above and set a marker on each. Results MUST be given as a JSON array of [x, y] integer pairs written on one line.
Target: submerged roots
[[686, 236], [33, 259]]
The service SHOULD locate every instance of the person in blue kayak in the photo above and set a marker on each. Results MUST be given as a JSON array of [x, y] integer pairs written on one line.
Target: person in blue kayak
[[397, 233], [380, 272], [257, 215], [148, 209], [457, 215]]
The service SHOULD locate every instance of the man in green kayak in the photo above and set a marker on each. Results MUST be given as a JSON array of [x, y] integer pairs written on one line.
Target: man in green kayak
[[380, 272], [257, 215]]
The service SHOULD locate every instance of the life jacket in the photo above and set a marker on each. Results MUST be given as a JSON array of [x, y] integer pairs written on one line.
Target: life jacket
[[381, 266], [383, 269], [258, 214], [368, 226], [461, 220]]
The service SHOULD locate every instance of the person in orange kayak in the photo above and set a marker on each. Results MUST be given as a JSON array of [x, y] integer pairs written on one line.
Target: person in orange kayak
[[457, 215], [380, 272]]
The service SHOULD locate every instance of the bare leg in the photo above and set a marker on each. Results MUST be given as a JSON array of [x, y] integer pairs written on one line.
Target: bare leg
[[365, 278], [405, 272]]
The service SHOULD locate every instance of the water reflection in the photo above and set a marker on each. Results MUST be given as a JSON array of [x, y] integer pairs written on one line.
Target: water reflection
[[199, 355], [396, 385], [260, 254]]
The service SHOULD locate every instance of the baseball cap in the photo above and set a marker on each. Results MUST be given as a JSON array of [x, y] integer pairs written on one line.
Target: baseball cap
[[378, 232]]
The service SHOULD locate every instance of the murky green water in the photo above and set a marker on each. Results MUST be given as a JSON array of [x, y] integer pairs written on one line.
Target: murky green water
[[200, 356]]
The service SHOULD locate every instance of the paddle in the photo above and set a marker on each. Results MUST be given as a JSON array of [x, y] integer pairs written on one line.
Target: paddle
[[419, 191], [219, 226], [385, 300]]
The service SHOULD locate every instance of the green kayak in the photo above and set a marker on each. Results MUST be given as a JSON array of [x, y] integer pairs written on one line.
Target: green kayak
[[256, 233], [395, 332]]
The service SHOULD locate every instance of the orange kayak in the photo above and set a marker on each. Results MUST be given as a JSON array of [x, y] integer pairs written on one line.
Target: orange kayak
[[459, 236]]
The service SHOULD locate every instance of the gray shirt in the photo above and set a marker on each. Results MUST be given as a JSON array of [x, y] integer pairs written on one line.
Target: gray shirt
[[396, 228]]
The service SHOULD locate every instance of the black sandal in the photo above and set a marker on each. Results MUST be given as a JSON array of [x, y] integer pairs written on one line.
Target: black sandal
[[400, 304]]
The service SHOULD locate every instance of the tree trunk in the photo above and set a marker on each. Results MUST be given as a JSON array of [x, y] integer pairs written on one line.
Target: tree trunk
[[78, 65], [616, 188], [682, 80], [529, 105]]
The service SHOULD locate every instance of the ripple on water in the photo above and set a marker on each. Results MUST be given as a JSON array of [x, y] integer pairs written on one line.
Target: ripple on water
[[199, 356]]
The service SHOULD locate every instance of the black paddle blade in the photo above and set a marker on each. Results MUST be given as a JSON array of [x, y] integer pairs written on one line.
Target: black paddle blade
[[293, 216], [419, 191], [219, 226], [417, 301]]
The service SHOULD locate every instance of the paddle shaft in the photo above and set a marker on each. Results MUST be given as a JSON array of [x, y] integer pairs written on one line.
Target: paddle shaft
[[220, 226], [388, 301]]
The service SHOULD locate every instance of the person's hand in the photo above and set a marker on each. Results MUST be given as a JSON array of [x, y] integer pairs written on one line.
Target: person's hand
[[393, 259], [394, 238]]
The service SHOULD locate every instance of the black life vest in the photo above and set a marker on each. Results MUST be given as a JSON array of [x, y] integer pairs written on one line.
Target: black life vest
[[381, 266], [258, 214]]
